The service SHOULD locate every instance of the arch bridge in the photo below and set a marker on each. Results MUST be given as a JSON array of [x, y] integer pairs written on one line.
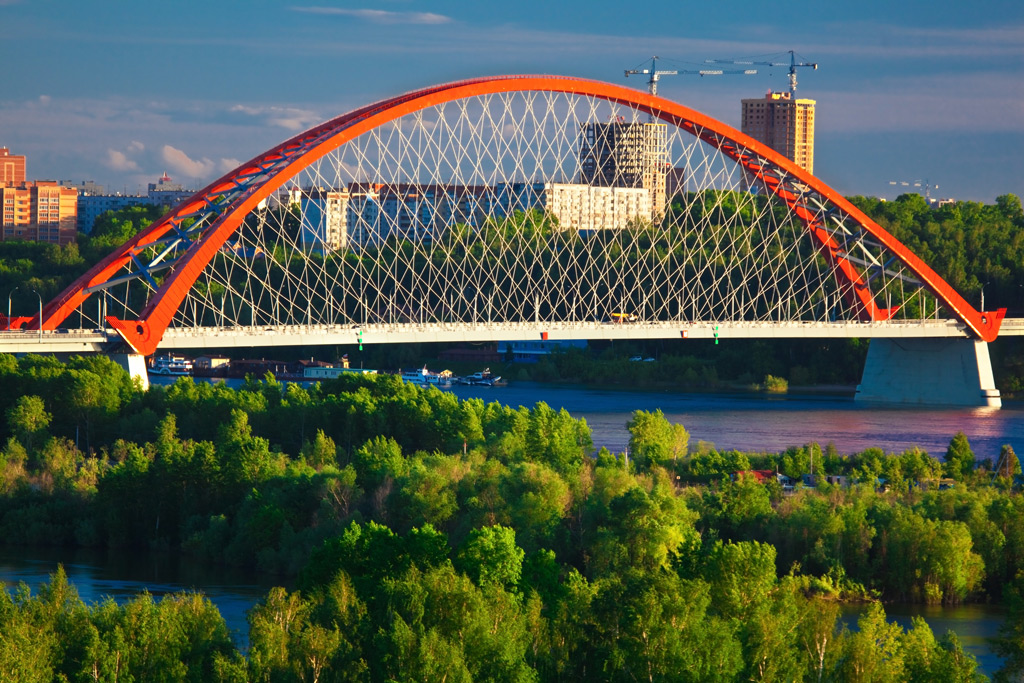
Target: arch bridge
[[515, 207]]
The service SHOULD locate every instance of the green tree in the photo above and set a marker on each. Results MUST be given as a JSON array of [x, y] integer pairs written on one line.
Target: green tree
[[875, 651], [245, 458], [378, 459], [1008, 465], [274, 623], [1009, 644], [490, 556], [642, 531], [321, 452], [740, 575], [28, 419], [652, 440], [959, 457]]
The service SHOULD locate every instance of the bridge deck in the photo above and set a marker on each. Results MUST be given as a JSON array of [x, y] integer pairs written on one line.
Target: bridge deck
[[93, 341]]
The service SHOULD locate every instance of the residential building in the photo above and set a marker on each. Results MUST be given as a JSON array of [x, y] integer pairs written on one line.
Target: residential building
[[627, 154], [283, 198], [575, 206], [675, 182], [92, 206], [324, 226], [165, 192], [93, 203], [375, 212], [12, 167], [84, 186], [367, 214], [39, 211], [784, 124]]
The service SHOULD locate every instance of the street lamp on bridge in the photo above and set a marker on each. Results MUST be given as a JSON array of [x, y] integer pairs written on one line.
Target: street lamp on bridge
[[40, 315], [9, 305], [982, 310]]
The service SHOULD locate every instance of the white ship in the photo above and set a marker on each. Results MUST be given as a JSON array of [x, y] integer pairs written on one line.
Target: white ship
[[424, 376], [171, 365]]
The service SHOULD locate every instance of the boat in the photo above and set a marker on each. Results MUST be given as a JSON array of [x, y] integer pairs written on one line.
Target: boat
[[424, 376], [484, 378], [171, 365]]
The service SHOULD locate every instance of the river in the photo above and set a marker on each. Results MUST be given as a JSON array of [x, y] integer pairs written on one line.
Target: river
[[972, 624], [766, 422], [97, 574], [750, 422], [774, 422]]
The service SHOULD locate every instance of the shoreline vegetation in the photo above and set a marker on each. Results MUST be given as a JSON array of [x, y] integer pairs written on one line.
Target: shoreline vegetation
[[435, 538]]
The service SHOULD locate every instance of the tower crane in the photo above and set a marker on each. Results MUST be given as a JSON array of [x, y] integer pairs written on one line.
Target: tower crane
[[655, 74], [928, 187], [792, 64]]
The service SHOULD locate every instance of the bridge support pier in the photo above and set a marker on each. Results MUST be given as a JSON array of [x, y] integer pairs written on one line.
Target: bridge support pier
[[135, 365], [933, 371]]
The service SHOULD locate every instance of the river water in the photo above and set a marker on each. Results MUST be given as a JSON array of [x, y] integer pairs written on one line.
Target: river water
[[972, 624], [772, 423], [766, 422], [746, 422], [97, 574]]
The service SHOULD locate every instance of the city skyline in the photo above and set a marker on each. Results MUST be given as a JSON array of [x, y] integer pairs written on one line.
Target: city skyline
[[121, 93]]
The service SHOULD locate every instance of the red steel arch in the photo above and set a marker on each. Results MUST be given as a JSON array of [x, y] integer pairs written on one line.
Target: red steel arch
[[294, 155]]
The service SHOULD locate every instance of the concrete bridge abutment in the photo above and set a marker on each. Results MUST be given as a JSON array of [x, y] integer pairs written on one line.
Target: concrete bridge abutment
[[932, 371], [135, 365]]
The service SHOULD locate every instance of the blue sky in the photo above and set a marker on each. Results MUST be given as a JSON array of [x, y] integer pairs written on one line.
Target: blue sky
[[118, 92]]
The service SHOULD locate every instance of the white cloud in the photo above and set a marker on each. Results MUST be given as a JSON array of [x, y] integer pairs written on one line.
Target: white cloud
[[246, 109], [180, 163], [226, 165], [288, 123], [119, 161], [136, 146], [289, 118], [45, 100], [379, 16]]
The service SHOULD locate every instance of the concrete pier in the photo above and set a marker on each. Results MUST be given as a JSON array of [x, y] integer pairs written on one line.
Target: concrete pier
[[944, 372], [135, 365]]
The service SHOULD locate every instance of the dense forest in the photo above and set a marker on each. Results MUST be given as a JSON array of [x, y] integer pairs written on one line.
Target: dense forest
[[432, 539]]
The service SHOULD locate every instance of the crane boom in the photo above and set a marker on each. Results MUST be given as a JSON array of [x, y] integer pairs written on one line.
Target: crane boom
[[792, 64], [655, 74]]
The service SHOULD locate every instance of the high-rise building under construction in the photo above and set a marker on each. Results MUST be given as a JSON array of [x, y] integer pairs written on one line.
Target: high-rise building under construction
[[784, 124], [626, 154]]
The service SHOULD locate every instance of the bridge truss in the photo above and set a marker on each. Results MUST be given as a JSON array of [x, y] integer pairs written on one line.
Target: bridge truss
[[509, 203]]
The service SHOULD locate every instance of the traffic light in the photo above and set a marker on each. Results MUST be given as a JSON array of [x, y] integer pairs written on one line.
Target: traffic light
[[359, 338], [716, 335]]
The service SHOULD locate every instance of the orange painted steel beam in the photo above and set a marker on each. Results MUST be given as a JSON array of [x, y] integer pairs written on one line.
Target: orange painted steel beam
[[306, 148]]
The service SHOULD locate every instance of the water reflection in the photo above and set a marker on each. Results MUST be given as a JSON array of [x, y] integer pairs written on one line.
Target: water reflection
[[98, 574], [767, 422], [974, 625], [773, 423]]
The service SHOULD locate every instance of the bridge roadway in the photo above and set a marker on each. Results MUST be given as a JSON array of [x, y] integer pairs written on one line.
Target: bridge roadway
[[222, 338]]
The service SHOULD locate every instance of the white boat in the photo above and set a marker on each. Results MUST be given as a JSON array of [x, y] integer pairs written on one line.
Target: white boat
[[424, 376], [171, 365], [415, 376]]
